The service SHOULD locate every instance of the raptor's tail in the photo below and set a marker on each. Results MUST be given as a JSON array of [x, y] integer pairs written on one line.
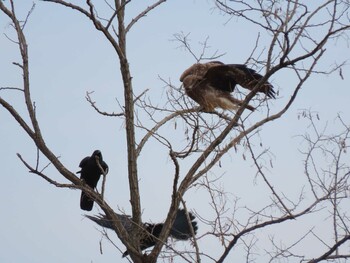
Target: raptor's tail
[[237, 103]]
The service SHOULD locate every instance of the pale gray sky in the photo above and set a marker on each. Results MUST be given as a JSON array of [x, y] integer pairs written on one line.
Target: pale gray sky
[[68, 57]]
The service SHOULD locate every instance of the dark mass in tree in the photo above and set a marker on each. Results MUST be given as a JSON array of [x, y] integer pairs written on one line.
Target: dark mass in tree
[[210, 84], [91, 169], [180, 230]]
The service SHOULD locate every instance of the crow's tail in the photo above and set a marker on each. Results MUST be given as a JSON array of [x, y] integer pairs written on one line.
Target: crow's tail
[[101, 220], [181, 228], [86, 203]]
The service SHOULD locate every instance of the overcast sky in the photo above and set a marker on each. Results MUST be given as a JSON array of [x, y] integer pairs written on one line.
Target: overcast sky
[[68, 57]]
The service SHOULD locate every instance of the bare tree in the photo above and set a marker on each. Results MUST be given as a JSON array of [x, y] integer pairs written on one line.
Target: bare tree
[[293, 37]]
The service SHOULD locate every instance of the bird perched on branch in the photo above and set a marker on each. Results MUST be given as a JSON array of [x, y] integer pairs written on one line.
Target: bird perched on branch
[[210, 84], [91, 169], [181, 229]]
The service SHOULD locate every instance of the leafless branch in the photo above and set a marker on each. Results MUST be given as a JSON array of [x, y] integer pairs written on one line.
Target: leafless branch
[[93, 104], [328, 254], [143, 14]]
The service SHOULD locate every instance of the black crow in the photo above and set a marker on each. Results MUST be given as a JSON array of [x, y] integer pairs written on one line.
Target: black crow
[[180, 230], [91, 169]]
